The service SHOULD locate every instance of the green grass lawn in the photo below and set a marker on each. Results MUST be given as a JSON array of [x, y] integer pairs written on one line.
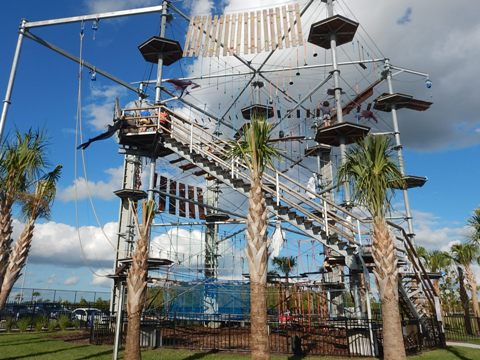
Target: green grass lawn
[[45, 346]]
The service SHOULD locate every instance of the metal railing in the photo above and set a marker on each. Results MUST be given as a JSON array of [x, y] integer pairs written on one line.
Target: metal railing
[[286, 191]]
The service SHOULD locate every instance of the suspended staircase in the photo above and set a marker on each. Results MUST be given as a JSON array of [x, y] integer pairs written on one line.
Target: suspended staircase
[[319, 218]]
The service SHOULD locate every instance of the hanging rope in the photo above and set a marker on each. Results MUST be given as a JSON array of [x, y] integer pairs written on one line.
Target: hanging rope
[[77, 128]]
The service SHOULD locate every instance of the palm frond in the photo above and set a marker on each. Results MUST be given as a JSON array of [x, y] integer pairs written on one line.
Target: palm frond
[[254, 147], [373, 174]]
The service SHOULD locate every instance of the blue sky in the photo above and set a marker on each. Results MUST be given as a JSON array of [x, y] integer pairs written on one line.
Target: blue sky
[[442, 144]]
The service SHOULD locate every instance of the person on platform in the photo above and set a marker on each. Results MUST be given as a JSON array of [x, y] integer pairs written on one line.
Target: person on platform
[[326, 113]]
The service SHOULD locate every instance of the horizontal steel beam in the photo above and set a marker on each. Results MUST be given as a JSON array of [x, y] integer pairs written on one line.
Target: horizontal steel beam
[[84, 63], [82, 18]]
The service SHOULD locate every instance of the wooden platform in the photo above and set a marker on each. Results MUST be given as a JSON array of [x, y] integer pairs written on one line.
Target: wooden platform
[[343, 28], [385, 102], [318, 150], [330, 135], [131, 194], [411, 182], [148, 143]]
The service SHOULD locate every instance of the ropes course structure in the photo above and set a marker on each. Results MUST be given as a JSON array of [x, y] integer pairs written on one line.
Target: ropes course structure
[[231, 67]]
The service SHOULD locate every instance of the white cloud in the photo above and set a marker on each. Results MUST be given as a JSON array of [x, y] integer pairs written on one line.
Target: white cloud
[[72, 280], [99, 278], [97, 6], [83, 189], [60, 244], [202, 7], [99, 111], [433, 234]]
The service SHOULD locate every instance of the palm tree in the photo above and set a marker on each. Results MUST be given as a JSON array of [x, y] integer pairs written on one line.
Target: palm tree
[[256, 152], [474, 222], [436, 261], [374, 174], [464, 255], [35, 205], [137, 282], [20, 162], [285, 265]]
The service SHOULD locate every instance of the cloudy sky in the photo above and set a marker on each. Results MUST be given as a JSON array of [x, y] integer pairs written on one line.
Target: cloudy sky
[[77, 243]]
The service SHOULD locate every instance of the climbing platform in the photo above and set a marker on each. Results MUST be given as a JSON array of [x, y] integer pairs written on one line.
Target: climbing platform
[[318, 150], [412, 181], [385, 102], [153, 48], [132, 194], [331, 135], [257, 110], [344, 29], [216, 217]]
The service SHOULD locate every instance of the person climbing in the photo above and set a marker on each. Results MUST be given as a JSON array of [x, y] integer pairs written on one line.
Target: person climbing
[[165, 120], [326, 113]]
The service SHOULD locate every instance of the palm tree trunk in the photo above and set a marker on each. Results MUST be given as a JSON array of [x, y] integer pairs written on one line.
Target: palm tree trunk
[[473, 289], [436, 287], [5, 235], [386, 274], [464, 301], [136, 295], [257, 256], [16, 261]]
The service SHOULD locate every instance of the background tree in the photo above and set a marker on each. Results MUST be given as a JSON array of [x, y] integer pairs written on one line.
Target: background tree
[[436, 261], [369, 164], [137, 282], [464, 255], [20, 163], [35, 205], [256, 152], [285, 264]]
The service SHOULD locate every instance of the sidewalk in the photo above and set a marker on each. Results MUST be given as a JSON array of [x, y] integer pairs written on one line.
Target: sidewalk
[[472, 346]]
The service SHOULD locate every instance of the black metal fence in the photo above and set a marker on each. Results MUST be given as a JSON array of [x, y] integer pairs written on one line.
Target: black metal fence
[[461, 328], [315, 336], [41, 309]]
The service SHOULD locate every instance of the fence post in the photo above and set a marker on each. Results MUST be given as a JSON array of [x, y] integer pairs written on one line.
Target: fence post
[[191, 137], [346, 337]]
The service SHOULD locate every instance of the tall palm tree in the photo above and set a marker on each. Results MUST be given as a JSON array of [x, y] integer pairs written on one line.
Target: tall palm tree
[[35, 205], [256, 152], [20, 162], [371, 168], [137, 282], [464, 255]]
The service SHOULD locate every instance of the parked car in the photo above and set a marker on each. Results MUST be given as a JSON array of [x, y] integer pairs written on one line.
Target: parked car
[[87, 314]]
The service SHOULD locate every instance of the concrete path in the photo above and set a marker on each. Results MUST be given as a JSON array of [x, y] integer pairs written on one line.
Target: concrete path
[[472, 346]]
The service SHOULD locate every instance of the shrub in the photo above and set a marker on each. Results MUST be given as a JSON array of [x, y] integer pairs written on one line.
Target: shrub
[[40, 323], [23, 324], [10, 323], [76, 323], [63, 322], [52, 325]]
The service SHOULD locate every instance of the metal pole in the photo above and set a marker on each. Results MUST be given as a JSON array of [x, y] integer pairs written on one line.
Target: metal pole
[[338, 98], [118, 325], [158, 94], [11, 80], [398, 146]]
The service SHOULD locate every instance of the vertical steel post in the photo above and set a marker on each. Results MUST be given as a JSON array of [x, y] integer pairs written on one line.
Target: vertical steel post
[[158, 94], [338, 98], [399, 147], [11, 80], [118, 325]]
